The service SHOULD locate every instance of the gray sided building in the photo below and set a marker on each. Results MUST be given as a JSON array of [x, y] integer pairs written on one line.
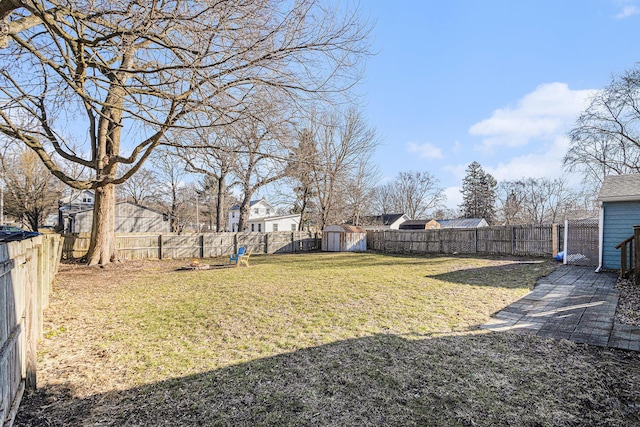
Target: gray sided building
[[619, 200]]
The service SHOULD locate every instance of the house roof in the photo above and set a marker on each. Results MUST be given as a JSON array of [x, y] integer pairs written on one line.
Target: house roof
[[119, 203], [273, 218], [384, 219], [415, 224], [251, 203], [620, 188], [388, 219], [460, 222]]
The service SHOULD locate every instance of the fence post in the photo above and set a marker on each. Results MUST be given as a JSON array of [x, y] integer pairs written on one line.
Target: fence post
[[636, 252], [235, 242], [554, 239], [160, 246], [201, 245]]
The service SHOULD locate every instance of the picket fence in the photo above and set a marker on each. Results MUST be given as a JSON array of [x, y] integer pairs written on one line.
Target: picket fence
[[27, 269]]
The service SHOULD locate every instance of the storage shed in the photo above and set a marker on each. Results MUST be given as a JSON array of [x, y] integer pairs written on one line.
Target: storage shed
[[619, 200], [344, 238]]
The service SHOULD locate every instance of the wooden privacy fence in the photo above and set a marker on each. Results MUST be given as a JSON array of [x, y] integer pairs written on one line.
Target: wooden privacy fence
[[521, 240], [27, 269], [206, 245]]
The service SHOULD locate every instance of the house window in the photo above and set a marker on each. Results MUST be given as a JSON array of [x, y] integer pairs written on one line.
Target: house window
[[268, 211], [256, 211], [275, 227], [259, 228], [252, 229], [294, 227]]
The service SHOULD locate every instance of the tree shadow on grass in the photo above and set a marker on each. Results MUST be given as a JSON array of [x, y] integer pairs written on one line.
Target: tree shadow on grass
[[363, 259], [519, 274], [390, 380]]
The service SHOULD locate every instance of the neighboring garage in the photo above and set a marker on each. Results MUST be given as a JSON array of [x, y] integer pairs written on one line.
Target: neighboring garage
[[619, 200]]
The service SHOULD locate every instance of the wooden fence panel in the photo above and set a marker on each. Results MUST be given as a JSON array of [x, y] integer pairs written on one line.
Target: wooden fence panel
[[456, 240], [206, 245], [525, 240], [218, 244], [27, 269], [532, 240], [495, 240]]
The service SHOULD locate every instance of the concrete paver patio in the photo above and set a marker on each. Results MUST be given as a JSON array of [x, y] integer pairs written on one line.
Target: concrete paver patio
[[572, 303]]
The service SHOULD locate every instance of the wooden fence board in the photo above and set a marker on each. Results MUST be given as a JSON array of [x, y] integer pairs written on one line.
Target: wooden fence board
[[526, 240], [27, 269], [206, 245]]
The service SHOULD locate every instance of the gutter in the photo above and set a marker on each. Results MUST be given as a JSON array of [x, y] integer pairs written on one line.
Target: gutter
[[600, 236]]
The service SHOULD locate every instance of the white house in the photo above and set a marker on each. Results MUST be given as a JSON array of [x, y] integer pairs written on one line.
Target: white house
[[263, 218], [77, 201]]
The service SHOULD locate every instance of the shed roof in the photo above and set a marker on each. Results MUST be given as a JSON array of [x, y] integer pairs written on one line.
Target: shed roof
[[620, 188], [461, 222], [415, 224], [345, 227]]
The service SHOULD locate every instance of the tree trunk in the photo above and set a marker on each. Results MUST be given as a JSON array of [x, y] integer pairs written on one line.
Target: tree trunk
[[245, 206], [220, 202], [103, 244]]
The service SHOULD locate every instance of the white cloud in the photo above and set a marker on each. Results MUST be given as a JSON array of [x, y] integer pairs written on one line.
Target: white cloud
[[454, 197], [627, 11], [543, 164], [425, 150], [546, 112]]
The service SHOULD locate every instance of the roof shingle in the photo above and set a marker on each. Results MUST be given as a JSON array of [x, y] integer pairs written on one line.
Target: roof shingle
[[619, 188]]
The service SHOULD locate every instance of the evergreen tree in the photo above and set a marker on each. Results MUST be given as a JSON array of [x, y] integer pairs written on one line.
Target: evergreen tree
[[478, 194]]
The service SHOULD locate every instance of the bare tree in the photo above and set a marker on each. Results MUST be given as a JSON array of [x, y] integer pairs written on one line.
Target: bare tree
[[209, 151], [536, 201], [344, 143], [141, 188], [138, 69], [31, 193], [606, 137], [263, 143], [172, 177], [413, 193]]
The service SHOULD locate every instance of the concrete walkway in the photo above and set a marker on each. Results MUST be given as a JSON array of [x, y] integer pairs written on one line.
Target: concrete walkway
[[572, 303]]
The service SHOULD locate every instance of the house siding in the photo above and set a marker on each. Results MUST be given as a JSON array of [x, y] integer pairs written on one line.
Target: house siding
[[129, 218], [619, 219]]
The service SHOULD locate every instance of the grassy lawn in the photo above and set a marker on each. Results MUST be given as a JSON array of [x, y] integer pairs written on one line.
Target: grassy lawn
[[315, 339]]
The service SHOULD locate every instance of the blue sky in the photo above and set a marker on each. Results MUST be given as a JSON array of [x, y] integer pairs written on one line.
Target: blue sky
[[495, 81]]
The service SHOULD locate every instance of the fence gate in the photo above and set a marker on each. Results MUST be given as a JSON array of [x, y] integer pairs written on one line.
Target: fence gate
[[581, 242]]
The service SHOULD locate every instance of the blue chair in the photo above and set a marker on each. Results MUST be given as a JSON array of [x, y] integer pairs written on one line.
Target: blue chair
[[235, 258]]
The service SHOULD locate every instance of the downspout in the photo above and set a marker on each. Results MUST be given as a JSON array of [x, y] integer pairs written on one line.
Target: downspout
[[600, 237]]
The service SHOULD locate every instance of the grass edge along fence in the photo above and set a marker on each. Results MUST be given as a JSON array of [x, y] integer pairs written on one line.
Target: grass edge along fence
[[27, 269], [203, 245], [519, 240]]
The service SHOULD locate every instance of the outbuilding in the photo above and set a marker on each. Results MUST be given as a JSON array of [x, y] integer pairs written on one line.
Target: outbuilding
[[344, 238], [129, 218], [619, 200], [420, 224]]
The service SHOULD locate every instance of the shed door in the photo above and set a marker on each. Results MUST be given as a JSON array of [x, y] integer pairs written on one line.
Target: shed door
[[333, 245]]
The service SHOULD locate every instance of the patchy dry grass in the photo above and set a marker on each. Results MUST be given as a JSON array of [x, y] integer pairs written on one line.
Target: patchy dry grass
[[314, 339]]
